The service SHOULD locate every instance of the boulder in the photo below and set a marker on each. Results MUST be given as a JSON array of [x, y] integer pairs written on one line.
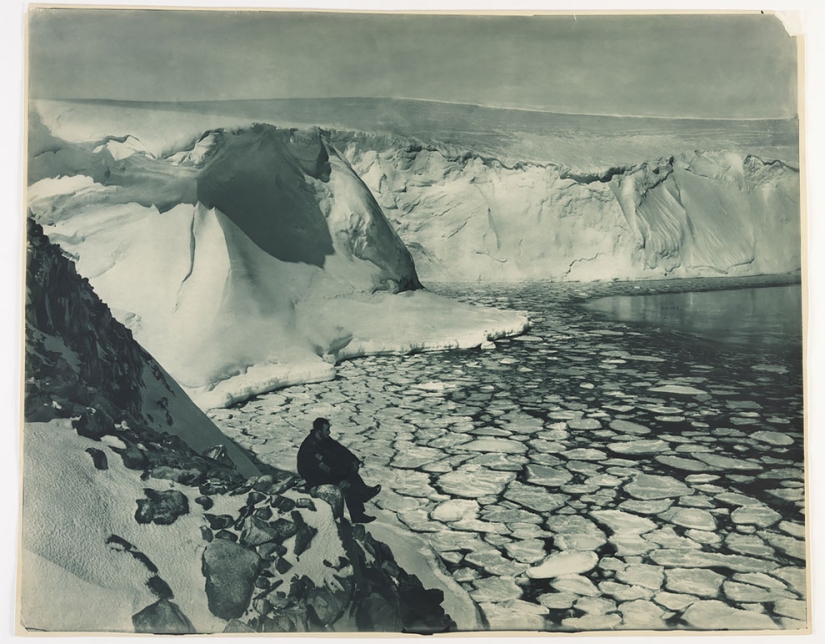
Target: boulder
[[230, 572], [162, 508], [333, 496], [94, 424], [98, 458], [162, 618]]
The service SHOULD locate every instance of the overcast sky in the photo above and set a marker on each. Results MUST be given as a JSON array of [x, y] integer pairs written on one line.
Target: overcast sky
[[722, 66]]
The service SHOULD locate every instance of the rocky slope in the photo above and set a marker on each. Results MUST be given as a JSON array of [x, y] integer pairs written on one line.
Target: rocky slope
[[250, 260], [469, 217], [127, 526]]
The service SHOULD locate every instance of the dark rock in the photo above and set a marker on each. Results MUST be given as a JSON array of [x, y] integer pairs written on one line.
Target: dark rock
[[305, 504], [323, 607], [268, 550], [161, 508], [191, 476], [284, 528], [304, 536], [205, 502], [206, 533], [243, 489], [263, 583], [230, 572], [160, 588], [255, 497], [162, 617], [214, 486], [286, 620], [237, 626], [226, 535], [133, 458], [285, 504], [220, 521], [332, 495], [256, 531], [94, 424], [263, 513], [244, 512], [98, 458], [378, 613], [283, 566], [219, 455]]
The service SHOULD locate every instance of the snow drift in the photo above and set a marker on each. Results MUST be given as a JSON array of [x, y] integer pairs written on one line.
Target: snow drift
[[469, 217], [252, 259]]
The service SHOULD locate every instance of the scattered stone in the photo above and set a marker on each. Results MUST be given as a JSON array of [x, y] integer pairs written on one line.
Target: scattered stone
[[98, 458], [230, 572], [162, 508], [162, 618], [94, 423], [332, 495], [205, 502]]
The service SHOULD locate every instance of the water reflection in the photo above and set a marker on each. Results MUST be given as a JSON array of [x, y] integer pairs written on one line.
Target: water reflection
[[757, 318]]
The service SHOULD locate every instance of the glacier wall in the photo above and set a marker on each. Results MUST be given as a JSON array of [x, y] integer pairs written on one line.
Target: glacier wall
[[468, 217], [252, 260]]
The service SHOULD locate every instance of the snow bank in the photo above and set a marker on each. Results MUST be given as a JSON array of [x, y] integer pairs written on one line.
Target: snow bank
[[467, 217]]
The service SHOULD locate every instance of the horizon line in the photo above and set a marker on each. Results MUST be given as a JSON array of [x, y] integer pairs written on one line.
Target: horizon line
[[420, 100]]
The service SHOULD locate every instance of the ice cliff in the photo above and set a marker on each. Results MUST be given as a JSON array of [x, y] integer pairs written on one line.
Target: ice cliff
[[469, 217], [129, 525], [249, 260]]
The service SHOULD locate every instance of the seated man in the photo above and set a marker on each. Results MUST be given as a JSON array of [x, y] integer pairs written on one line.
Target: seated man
[[323, 460]]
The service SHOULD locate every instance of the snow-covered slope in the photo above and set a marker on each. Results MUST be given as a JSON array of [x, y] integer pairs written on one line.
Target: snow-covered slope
[[252, 260], [128, 527], [467, 217]]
